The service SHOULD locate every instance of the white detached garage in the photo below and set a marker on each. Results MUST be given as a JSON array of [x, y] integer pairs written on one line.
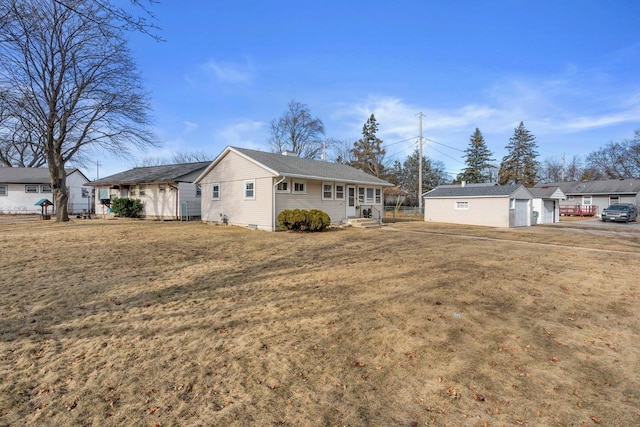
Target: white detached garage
[[490, 205]]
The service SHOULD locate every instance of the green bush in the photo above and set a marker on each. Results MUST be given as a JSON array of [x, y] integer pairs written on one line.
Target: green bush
[[127, 208], [303, 220]]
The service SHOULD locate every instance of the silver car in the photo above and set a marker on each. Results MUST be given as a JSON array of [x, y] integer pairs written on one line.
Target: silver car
[[621, 212]]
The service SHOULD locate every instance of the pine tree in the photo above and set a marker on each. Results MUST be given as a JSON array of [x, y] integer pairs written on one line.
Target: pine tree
[[520, 165], [367, 152], [477, 158]]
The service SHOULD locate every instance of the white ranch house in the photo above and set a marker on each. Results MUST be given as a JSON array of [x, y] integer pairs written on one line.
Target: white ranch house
[[598, 194], [250, 188], [490, 205], [21, 188], [167, 191]]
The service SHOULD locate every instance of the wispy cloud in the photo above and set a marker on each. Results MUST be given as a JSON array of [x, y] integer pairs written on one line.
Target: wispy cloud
[[243, 132], [229, 72], [189, 126]]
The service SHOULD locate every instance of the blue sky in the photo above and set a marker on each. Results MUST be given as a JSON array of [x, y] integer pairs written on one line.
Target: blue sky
[[570, 70]]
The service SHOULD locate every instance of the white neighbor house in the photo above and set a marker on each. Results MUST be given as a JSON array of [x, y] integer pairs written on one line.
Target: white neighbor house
[[546, 204], [167, 191], [491, 205], [250, 188], [21, 188]]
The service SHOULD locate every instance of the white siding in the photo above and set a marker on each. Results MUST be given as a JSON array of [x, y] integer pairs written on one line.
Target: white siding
[[77, 203], [231, 172], [18, 201], [157, 204], [487, 211], [190, 204], [537, 205]]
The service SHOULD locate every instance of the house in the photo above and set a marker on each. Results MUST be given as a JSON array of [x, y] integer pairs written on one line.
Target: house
[[167, 191], [546, 204], [594, 196], [479, 204], [250, 188], [21, 188]]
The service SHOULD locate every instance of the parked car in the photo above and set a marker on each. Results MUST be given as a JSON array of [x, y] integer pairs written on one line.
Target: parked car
[[621, 212]]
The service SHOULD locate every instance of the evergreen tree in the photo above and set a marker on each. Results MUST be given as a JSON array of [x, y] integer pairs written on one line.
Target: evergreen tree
[[433, 174], [368, 154], [477, 158], [520, 165]]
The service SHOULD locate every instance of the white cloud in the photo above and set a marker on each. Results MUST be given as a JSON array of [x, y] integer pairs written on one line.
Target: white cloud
[[230, 72], [189, 126], [243, 132]]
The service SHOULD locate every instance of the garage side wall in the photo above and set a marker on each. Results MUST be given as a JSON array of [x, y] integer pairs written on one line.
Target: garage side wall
[[487, 211]]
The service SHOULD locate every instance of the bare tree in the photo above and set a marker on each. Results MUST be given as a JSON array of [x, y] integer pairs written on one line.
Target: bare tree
[[550, 170], [617, 160], [70, 83], [297, 131], [176, 158]]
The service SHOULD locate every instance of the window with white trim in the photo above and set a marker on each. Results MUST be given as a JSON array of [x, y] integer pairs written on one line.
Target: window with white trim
[[462, 205], [586, 200], [282, 187], [614, 200], [250, 189], [85, 193], [378, 196], [570, 198], [141, 190], [215, 191], [339, 192], [512, 203], [198, 190], [132, 192], [369, 195], [4, 190], [162, 188], [361, 194], [31, 188], [45, 188], [299, 187], [327, 191]]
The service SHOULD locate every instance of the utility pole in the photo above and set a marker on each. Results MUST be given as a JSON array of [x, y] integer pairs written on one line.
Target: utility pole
[[420, 164], [97, 169], [563, 166]]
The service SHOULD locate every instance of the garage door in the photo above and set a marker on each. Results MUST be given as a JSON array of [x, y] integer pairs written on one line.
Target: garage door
[[522, 213], [548, 211]]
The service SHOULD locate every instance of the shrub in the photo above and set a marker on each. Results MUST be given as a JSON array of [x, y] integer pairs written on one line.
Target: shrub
[[303, 220], [127, 208]]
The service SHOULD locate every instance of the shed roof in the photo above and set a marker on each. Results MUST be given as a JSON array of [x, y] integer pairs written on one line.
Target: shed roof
[[152, 174], [488, 190], [607, 186], [296, 167], [547, 192], [17, 175]]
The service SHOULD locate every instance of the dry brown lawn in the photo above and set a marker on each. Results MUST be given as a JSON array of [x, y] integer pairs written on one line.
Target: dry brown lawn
[[167, 324]]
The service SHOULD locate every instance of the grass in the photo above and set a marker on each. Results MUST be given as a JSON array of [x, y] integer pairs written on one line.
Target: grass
[[166, 324]]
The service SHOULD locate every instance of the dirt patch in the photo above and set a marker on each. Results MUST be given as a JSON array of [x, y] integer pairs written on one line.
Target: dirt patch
[[154, 323]]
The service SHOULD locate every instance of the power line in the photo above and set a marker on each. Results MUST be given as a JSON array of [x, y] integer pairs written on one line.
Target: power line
[[444, 145]]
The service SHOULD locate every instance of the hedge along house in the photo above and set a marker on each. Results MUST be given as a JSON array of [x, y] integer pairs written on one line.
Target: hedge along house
[[546, 204], [250, 188], [21, 188], [490, 205], [598, 194], [167, 192]]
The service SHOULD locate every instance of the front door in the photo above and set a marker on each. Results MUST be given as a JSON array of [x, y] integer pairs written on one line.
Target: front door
[[351, 201]]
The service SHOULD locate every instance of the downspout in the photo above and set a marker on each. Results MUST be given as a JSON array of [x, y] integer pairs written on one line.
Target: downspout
[[274, 201]]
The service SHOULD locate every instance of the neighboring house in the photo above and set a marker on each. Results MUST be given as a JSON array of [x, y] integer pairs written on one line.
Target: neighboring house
[[167, 192], [250, 188], [21, 188], [546, 204], [598, 194], [479, 204]]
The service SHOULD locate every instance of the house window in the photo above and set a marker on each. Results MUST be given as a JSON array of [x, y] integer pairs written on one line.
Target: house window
[[299, 187], [512, 203], [339, 192], [250, 189], [614, 200], [3, 190], [570, 198], [162, 188], [378, 196], [31, 188], [282, 187], [361, 195], [141, 190], [369, 195], [198, 190], [327, 191], [215, 191], [586, 200], [132, 192], [85, 193], [46, 188], [463, 205]]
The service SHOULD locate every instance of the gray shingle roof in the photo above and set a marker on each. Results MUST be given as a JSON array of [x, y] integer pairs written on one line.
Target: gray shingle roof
[[544, 192], [153, 174], [608, 186], [296, 167], [472, 190], [26, 175]]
